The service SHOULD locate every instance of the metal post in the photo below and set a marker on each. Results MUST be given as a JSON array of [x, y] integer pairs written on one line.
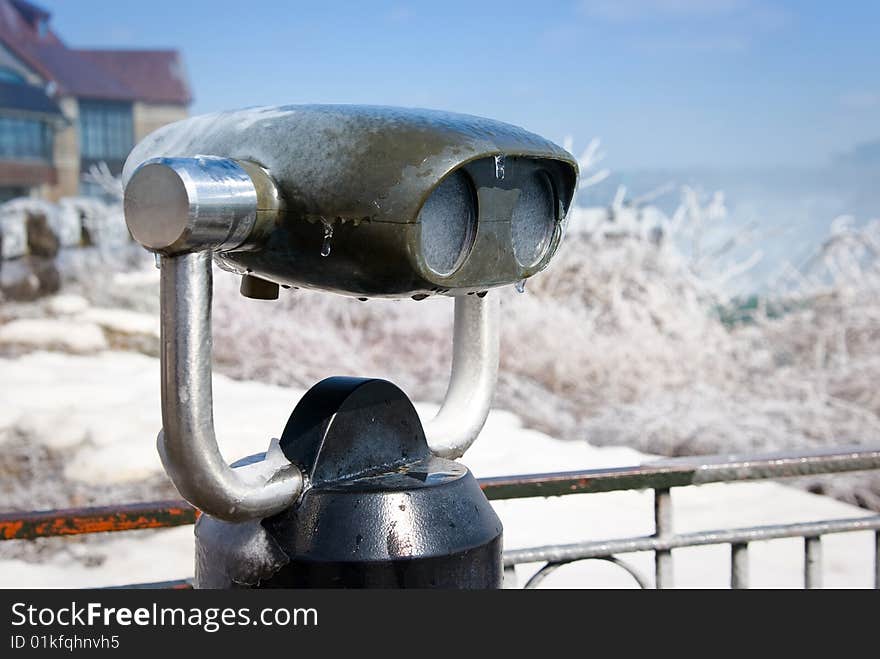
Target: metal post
[[813, 562], [510, 578], [663, 529], [739, 565], [877, 560], [187, 443], [475, 355]]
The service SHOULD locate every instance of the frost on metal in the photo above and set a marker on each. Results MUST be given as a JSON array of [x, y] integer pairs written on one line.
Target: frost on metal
[[350, 163]]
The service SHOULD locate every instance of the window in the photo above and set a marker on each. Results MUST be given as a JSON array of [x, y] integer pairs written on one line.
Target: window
[[10, 75], [105, 130], [8, 193], [25, 138]]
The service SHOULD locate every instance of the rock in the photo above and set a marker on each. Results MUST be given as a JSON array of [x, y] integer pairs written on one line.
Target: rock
[[47, 274], [13, 236], [29, 278], [17, 282], [42, 241]]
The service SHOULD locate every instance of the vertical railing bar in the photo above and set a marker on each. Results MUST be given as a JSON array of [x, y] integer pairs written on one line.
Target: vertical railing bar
[[663, 574], [877, 560], [813, 562], [509, 578], [739, 565]]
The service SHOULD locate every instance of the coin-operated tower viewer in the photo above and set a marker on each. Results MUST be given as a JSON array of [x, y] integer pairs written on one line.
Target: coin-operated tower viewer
[[361, 201]]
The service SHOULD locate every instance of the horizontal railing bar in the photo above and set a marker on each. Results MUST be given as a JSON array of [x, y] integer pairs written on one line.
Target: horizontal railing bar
[[585, 482], [177, 584], [660, 474], [676, 472], [739, 538], [597, 549], [789, 464], [76, 521]]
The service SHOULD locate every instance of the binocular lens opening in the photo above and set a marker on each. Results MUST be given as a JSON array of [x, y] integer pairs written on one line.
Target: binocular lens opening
[[534, 219], [448, 224]]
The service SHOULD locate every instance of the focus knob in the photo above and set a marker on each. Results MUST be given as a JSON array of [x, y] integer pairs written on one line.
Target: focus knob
[[177, 205]]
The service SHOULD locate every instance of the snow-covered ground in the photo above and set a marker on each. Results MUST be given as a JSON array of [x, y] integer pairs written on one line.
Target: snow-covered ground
[[102, 411]]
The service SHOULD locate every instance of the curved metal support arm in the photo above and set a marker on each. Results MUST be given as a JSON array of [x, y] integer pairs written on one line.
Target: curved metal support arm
[[475, 353], [187, 443]]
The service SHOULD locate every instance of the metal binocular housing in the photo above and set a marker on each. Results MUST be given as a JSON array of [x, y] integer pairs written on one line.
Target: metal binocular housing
[[411, 202], [362, 201]]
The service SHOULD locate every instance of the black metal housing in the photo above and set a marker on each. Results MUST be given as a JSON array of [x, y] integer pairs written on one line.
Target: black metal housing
[[379, 512]]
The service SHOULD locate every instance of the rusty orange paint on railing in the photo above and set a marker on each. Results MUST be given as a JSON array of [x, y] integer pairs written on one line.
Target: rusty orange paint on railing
[[153, 515], [12, 529]]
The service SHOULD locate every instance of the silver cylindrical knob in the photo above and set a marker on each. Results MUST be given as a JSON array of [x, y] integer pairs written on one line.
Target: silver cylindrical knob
[[178, 205]]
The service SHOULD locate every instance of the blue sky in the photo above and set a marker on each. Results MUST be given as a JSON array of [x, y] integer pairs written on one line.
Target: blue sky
[[664, 83]]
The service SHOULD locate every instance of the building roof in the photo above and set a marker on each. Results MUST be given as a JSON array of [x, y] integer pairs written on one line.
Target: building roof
[[77, 76], [24, 21], [26, 98], [152, 76]]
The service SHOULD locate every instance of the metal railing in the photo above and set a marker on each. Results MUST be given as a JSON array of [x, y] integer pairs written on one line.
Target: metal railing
[[660, 476]]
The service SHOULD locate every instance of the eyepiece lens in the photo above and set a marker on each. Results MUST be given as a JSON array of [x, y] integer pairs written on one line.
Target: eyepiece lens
[[448, 221], [534, 219]]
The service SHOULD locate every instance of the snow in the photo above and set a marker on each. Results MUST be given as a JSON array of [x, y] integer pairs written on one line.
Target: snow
[[122, 321], [135, 278], [104, 410], [66, 305], [113, 400], [78, 309], [135, 556], [58, 333]]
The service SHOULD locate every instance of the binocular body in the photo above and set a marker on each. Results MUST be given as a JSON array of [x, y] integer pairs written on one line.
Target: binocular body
[[359, 200], [368, 202]]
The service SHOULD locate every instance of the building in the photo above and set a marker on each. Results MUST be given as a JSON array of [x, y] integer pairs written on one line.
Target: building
[[63, 109]]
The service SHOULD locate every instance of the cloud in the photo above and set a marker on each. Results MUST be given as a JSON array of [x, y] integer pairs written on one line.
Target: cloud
[[401, 14], [561, 38], [862, 100], [865, 154], [755, 14], [697, 43], [629, 10], [689, 25], [120, 35]]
